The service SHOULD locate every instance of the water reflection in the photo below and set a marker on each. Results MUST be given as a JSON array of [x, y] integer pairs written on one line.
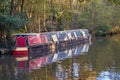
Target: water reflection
[[7, 65], [108, 75], [38, 62], [99, 61], [29, 63]]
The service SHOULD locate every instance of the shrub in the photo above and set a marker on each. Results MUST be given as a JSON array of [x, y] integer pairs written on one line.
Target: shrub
[[102, 30]]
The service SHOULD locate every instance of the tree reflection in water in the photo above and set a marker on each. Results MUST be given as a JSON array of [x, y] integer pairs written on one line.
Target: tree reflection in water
[[100, 61]]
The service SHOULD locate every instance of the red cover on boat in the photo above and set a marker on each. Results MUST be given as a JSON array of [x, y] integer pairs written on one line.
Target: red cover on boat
[[20, 53], [34, 40], [43, 38], [21, 41]]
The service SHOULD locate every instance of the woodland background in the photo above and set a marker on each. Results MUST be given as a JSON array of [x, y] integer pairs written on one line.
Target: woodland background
[[100, 17]]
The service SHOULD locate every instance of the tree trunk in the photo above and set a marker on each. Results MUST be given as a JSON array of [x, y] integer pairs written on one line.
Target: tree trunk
[[71, 19], [39, 24], [22, 4], [12, 8], [44, 23], [52, 14], [8, 36]]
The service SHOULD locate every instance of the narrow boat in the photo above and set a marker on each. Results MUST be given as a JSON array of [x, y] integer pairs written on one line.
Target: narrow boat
[[50, 41]]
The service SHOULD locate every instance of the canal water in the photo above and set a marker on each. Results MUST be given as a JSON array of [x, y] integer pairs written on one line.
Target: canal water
[[98, 60]]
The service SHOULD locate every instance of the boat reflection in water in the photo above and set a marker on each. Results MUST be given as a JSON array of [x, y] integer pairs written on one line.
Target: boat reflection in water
[[108, 75], [31, 62], [52, 65]]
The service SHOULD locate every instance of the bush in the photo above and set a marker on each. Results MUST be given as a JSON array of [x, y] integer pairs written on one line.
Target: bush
[[102, 30], [115, 29]]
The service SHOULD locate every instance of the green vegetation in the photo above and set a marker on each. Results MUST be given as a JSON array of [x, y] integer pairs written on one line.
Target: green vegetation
[[101, 17]]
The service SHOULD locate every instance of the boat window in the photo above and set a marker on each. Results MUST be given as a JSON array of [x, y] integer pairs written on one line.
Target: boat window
[[62, 36]]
